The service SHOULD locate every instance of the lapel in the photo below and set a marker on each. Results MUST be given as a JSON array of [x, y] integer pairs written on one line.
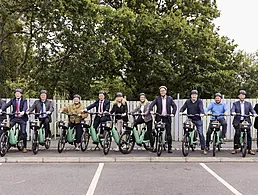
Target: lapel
[[246, 108], [239, 106]]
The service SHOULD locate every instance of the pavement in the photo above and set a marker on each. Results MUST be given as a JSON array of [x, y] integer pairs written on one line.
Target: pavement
[[129, 179], [139, 154]]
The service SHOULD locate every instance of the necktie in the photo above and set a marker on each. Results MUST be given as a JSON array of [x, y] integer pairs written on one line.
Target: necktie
[[17, 107], [100, 106]]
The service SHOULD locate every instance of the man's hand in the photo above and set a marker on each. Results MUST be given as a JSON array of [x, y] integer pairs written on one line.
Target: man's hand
[[172, 115], [201, 115], [21, 113], [1, 110], [48, 112], [255, 115], [85, 110], [180, 113], [233, 113], [28, 112], [79, 114], [124, 114], [151, 112]]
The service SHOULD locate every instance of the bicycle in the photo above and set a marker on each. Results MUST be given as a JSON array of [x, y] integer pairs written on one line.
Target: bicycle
[[11, 136], [191, 136], [38, 134], [90, 131], [217, 134], [160, 127], [67, 134], [130, 136], [244, 127]]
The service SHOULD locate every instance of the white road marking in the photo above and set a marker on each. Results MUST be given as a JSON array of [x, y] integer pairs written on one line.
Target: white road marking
[[95, 180], [0, 163], [231, 188], [22, 181]]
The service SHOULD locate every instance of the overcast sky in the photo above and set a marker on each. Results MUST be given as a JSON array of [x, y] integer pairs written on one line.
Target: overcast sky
[[239, 21]]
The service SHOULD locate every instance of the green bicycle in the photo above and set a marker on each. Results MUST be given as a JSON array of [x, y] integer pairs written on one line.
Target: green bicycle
[[38, 134], [11, 136]]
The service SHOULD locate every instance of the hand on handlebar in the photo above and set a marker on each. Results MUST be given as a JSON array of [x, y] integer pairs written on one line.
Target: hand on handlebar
[[48, 112], [233, 114], [201, 115]]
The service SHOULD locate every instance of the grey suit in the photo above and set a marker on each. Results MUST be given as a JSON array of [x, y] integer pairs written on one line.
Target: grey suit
[[148, 116]]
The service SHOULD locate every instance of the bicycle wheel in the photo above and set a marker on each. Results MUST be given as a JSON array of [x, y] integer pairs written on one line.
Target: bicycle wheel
[[107, 142], [159, 144], [3, 144], [61, 142], [85, 140], [126, 142], [35, 144], [214, 143], [244, 150], [47, 144], [185, 145]]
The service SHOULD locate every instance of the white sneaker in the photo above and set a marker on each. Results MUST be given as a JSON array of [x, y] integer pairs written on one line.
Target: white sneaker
[[117, 149], [77, 148]]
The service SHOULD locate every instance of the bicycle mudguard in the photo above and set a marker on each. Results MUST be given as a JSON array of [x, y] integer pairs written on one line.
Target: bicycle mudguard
[[70, 135], [93, 134], [41, 134], [115, 135], [12, 137], [136, 135]]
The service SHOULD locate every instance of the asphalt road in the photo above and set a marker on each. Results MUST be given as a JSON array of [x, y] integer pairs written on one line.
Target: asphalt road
[[133, 179]]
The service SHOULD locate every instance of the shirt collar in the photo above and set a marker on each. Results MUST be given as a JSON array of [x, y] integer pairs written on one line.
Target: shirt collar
[[165, 97]]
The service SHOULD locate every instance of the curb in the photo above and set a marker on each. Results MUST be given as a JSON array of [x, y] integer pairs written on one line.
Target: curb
[[126, 160]]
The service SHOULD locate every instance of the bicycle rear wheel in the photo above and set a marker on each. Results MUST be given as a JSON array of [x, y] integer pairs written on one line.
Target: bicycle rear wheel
[[126, 142], [35, 144], [107, 142], [85, 141], [185, 145], [61, 142]]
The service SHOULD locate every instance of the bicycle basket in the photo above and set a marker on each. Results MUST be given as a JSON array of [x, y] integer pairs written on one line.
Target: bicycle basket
[[160, 126], [244, 125], [63, 124], [86, 123], [188, 124], [129, 125], [215, 125], [5, 124], [35, 123]]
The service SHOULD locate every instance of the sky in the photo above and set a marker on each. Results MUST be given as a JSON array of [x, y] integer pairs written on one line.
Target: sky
[[239, 21]]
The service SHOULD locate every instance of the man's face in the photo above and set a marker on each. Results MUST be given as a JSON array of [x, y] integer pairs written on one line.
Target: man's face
[[163, 92], [76, 100], [217, 99], [18, 94], [142, 98], [43, 96], [101, 96], [241, 97], [194, 97]]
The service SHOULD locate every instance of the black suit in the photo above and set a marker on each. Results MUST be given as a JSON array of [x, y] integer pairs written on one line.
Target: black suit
[[236, 108], [169, 103], [99, 119], [22, 121], [45, 120]]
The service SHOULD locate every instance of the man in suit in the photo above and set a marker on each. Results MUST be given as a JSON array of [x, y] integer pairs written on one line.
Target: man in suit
[[101, 106], [19, 107], [43, 105], [194, 106], [143, 108], [244, 108], [164, 104]]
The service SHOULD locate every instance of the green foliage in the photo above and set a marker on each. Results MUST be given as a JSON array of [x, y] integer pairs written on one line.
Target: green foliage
[[83, 46]]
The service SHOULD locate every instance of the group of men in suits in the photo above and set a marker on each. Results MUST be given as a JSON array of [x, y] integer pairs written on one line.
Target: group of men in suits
[[166, 108]]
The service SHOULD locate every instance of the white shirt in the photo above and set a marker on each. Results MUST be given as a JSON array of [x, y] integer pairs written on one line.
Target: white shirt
[[164, 105], [101, 106], [142, 108], [242, 104]]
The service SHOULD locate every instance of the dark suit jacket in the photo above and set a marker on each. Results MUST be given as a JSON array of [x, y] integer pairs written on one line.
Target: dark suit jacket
[[23, 107], [237, 109], [106, 106], [120, 110], [158, 103], [37, 106], [256, 119]]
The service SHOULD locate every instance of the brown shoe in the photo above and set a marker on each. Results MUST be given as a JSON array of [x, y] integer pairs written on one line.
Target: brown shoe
[[24, 150], [234, 152], [205, 152], [251, 152]]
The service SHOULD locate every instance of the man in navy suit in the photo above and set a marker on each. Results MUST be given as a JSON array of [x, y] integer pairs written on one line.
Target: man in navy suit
[[164, 104], [101, 106], [19, 106], [244, 108]]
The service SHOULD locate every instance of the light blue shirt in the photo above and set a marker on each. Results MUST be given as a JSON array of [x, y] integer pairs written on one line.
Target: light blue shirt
[[216, 109]]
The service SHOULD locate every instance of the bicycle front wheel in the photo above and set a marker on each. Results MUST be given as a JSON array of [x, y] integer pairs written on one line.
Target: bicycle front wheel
[[185, 145], [107, 142], [214, 144], [159, 144], [244, 150], [126, 142], [3, 144]]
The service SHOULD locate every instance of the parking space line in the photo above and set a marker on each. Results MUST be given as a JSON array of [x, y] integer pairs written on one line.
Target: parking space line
[[231, 188], [95, 180]]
